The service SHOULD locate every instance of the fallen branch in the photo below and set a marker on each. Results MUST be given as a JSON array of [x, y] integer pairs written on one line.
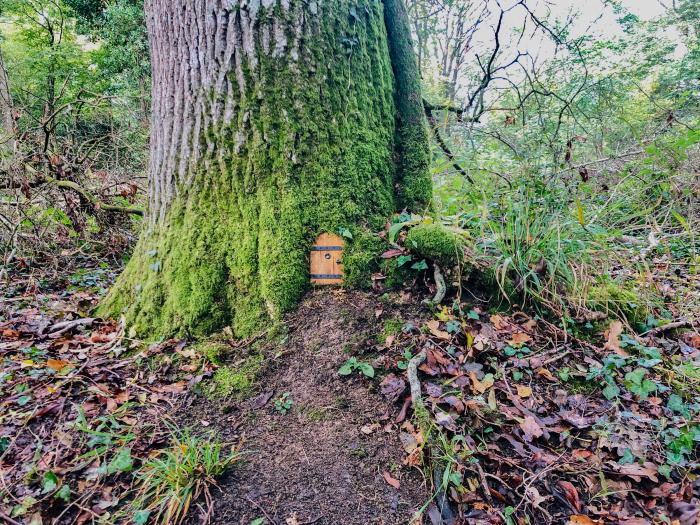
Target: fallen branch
[[70, 185], [665, 328], [413, 381]]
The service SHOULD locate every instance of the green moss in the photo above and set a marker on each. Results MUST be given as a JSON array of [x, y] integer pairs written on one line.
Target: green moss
[[412, 143], [438, 243], [236, 381], [611, 297], [361, 258], [315, 414], [214, 351], [391, 327]]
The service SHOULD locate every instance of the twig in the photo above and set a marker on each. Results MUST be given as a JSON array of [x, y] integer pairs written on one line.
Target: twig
[[665, 328], [272, 521]]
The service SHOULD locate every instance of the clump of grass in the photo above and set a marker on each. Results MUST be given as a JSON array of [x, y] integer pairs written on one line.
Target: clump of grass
[[179, 475]]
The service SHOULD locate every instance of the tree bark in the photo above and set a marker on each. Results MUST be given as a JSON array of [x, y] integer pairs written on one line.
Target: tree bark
[[272, 122], [7, 122]]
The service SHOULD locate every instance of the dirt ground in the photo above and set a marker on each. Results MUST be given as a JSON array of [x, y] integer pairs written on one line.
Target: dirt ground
[[325, 460]]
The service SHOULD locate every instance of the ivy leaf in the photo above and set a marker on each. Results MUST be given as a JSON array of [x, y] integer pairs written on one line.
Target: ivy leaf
[[665, 471], [627, 457], [473, 314], [611, 391], [344, 232], [348, 367], [676, 404], [141, 517], [403, 259], [63, 493], [420, 265], [453, 327], [21, 401], [122, 462], [50, 483]]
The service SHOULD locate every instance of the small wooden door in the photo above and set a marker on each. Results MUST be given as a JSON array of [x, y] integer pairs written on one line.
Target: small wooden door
[[327, 259]]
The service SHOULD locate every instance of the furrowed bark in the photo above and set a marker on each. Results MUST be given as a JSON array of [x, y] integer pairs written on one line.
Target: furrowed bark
[[272, 122], [7, 123]]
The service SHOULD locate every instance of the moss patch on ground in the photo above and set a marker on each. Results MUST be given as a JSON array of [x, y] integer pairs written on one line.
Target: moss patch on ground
[[610, 296], [235, 381]]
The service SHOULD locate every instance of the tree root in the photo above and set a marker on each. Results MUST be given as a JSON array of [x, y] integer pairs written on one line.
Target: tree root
[[441, 286], [438, 471]]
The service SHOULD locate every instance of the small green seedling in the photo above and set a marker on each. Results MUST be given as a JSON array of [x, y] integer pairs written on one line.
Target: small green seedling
[[403, 364], [283, 403], [353, 364]]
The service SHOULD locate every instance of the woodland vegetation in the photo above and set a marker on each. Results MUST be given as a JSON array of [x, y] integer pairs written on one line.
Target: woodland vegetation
[[517, 188]]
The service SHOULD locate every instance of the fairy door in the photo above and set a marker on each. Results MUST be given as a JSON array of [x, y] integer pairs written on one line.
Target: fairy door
[[327, 260]]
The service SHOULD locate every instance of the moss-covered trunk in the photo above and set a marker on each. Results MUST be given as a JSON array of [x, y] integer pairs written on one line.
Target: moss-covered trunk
[[273, 121]]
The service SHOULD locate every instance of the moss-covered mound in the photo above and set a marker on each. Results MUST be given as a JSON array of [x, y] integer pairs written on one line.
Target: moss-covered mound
[[610, 296], [437, 243]]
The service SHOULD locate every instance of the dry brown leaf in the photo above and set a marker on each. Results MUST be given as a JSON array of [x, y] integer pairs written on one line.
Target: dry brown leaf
[[530, 428], [571, 494], [519, 339], [578, 519], [499, 322], [613, 339], [57, 364], [434, 327], [480, 387], [524, 391], [543, 372], [392, 481]]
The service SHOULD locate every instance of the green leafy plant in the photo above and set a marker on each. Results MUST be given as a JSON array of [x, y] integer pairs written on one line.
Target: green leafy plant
[[637, 383], [283, 404], [407, 356], [353, 364], [169, 483]]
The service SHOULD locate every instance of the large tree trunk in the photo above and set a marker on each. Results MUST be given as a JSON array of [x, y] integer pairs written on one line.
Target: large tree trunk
[[272, 121], [7, 123]]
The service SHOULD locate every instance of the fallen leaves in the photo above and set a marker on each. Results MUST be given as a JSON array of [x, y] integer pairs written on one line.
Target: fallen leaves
[[87, 411], [531, 429], [392, 481], [612, 335]]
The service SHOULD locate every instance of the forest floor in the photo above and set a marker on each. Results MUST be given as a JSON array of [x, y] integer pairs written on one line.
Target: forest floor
[[527, 423]]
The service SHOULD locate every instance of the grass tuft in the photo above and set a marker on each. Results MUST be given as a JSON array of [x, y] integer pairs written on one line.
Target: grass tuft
[[171, 481]]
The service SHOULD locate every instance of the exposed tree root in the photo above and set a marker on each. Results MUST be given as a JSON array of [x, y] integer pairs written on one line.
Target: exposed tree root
[[441, 286], [438, 470]]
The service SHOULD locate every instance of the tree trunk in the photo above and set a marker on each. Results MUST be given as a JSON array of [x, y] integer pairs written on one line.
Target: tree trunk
[[273, 121], [7, 123]]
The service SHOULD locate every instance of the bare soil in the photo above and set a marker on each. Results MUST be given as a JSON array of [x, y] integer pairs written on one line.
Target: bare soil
[[314, 464]]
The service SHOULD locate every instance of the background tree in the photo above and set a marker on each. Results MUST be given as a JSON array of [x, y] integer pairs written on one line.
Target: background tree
[[272, 123]]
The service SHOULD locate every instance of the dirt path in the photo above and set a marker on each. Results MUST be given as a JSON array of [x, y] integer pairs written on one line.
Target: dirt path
[[315, 464]]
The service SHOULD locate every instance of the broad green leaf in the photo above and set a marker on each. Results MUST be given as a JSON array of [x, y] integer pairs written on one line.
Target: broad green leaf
[[63, 493], [50, 483], [122, 462], [366, 369]]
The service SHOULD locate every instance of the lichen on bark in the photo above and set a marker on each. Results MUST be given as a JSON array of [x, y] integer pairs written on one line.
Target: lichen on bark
[[286, 129]]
